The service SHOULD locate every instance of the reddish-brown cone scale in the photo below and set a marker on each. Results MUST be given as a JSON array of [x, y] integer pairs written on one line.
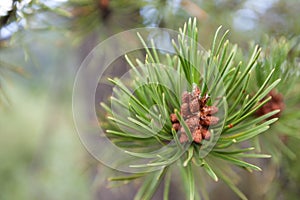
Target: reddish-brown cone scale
[[276, 103], [197, 116]]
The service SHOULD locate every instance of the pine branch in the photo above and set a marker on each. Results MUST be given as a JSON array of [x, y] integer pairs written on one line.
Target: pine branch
[[213, 90]]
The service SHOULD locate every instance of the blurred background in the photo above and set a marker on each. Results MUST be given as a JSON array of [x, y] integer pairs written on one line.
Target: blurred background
[[42, 44]]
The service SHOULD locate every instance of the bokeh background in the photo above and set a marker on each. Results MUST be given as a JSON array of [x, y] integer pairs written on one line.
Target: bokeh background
[[42, 44]]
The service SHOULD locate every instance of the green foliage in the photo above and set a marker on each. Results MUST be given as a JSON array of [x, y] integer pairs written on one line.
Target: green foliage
[[281, 55], [220, 74]]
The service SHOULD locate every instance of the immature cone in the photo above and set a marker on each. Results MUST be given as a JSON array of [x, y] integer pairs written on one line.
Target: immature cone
[[184, 110], [197, 115], [175, 122], [276, 103]]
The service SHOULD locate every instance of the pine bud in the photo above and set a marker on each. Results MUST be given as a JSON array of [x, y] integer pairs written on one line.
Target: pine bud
[[276, 103], [208, 120], [197, 136], [194, 106], [183, 136], [197, 116], [185, 97], [192, 122], [205, 134], [185, 110], [210, 110], [173, 118], [176, 126]]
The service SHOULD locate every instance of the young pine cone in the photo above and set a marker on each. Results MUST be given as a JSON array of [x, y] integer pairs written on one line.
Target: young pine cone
[[276, 103], [197, 115]]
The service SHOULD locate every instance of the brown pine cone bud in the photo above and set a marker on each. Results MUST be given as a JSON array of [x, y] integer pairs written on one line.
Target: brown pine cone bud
[[173, 118], [276, 97], [274, 104], [192, 122], [208, 120], [197, 136], [176, 126], [194, 106], [197, 116], [185, 110], [205, 133], [185, 97], [183, 136], [209, 110]]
